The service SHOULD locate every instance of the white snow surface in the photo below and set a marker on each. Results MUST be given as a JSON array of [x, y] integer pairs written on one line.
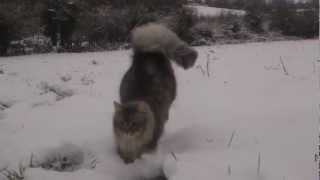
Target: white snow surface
[[214, 11], [237, 116]]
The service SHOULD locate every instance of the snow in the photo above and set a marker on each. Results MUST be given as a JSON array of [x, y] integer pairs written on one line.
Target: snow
[[238, 115], [214, 12]]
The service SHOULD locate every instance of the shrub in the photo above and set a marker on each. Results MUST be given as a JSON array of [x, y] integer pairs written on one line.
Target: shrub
[[182, 22], [303, 24], [254, 21], [254, 17]]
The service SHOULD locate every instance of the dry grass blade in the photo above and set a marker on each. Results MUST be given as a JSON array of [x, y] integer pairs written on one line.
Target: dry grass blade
[[208, 65], [229, 170], [174, 156], [201, 69], [13, 174], [94, 163], [231, 138], [284, 67], [259, 164]]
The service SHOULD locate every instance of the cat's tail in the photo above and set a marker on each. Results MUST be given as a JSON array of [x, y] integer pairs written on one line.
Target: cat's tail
[[158, 38]]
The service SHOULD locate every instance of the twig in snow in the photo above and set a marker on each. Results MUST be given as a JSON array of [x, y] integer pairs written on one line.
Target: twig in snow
[[4, 106], [231, 138], [94, 163], [319, 80], [259, 164], [201, 69], [208, 63], [229, 170], [283, 67], [174, 156], [31, 161]]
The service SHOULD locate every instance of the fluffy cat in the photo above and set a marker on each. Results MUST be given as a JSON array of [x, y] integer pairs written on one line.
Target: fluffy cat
[[148, 89]]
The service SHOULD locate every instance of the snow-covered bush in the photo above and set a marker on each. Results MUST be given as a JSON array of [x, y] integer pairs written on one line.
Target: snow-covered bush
[[59, 91], [67, 157]]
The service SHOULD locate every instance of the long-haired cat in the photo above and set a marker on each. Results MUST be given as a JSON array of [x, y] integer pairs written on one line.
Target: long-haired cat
[[148, 89]]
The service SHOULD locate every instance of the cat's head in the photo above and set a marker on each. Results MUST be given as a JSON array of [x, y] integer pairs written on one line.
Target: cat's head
[[132, 118]]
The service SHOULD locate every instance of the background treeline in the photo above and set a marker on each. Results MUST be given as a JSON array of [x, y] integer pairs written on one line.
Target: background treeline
[[294, 19], [106, 24]]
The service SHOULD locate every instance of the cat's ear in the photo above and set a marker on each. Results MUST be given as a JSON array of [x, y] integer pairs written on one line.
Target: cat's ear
[[141, 107], [117, 106]]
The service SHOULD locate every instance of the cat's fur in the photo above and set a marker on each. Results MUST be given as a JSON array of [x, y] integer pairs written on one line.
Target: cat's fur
[[148, 89]]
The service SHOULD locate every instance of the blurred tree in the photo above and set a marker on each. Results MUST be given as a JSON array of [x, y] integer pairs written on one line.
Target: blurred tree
[[59, 19], [4, 36], [282, 16], [8, 32], [255, 13], [239, 4], [295, 19]]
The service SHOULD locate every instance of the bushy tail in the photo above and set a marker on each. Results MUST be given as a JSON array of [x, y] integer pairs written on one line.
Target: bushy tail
[[158, 38]]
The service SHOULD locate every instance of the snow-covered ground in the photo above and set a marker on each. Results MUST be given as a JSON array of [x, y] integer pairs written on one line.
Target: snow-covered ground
[[214, 12], [244, 112]]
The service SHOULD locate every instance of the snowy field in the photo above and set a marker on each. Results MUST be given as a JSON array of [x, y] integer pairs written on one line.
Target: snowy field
[[214, 12], [244, 112]]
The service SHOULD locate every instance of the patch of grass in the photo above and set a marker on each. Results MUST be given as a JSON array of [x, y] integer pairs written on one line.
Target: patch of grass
[[12, 174]]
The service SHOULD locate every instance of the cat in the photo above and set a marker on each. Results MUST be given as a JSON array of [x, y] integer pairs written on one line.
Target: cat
[[148, 89]]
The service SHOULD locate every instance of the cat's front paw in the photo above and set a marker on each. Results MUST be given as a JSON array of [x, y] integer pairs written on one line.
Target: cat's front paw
[[127, 159]]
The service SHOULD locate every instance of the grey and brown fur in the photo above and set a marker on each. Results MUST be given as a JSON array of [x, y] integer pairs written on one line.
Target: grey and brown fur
[[148, 89]]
